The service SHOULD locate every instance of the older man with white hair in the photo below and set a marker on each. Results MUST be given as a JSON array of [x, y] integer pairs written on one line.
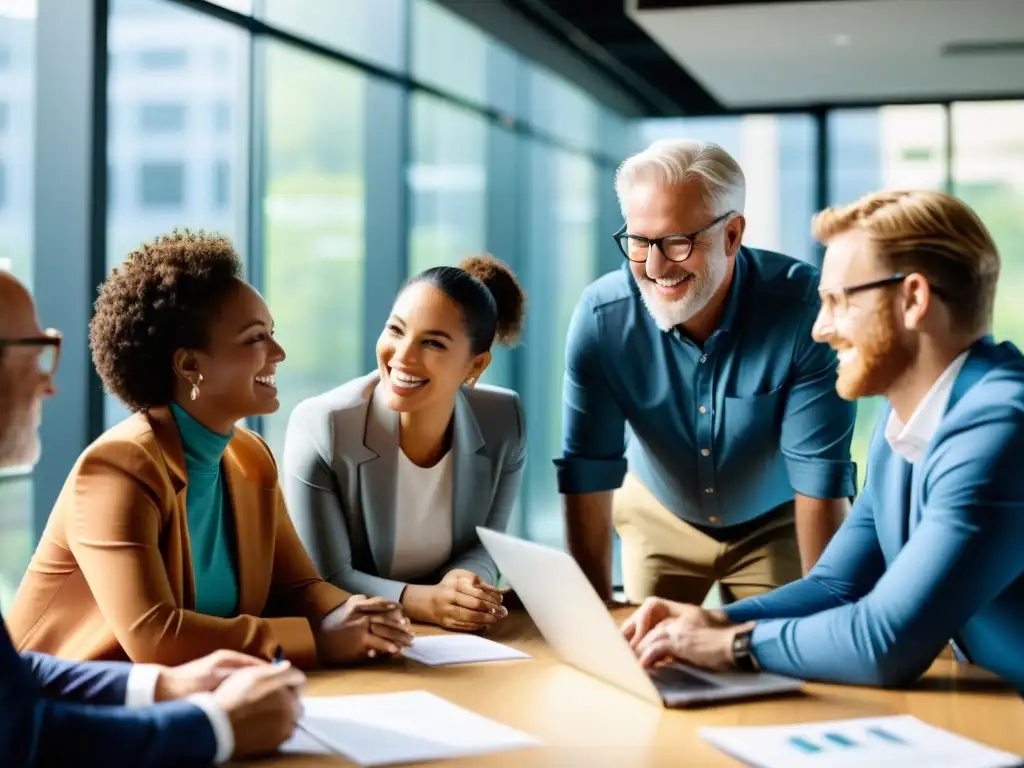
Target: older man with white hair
[[737, 465]]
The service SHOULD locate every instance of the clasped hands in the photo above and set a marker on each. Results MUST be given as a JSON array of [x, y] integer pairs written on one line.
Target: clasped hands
[[663, 631], [358, 628], [362, 627], [461, 601]]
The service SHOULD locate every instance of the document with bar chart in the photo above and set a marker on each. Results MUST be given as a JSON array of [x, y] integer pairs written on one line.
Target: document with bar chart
[[901, 740]]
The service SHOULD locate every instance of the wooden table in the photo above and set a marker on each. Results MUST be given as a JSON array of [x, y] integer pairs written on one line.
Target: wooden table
[[586, 722]]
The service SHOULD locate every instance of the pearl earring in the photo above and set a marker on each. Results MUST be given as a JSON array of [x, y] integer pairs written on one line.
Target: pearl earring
[[194, 394], [471, 382]]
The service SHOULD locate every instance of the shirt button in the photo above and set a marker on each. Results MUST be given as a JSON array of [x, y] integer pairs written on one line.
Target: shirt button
[[709, 490], [713, 519], [702, 409], [705, 452], [703, 358]]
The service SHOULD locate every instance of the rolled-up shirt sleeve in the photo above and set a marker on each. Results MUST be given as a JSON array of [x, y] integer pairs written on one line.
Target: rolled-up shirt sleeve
[[817, 425], [593, 422]]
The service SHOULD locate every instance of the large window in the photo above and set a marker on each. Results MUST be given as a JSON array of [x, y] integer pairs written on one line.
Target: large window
[[988, 175], [447, 182], [17, 105], [448, 52], [17, 84], [313, 224], [898, 147], [561, 110], [777, 154], [311, 139], [368, 29], [178, 111], [562, 261]]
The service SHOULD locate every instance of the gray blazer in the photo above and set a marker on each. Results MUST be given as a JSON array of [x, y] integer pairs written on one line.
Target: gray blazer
[[339, 478]]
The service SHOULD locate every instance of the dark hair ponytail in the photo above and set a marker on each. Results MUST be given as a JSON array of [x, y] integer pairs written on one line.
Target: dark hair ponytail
[[492, 302]]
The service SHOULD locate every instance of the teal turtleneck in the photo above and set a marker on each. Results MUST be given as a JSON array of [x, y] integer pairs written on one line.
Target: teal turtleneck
[[209, 517]]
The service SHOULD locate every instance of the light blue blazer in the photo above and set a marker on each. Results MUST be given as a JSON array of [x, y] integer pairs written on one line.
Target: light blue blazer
[[930, 552], [340, 472]]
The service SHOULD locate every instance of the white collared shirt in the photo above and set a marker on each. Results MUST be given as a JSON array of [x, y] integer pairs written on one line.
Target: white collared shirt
[[911, 439]]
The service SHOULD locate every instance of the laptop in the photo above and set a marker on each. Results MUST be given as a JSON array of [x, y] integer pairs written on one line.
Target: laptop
[[576, 624]]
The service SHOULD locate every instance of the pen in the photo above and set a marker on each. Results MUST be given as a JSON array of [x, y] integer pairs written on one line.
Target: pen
[[279, 658]]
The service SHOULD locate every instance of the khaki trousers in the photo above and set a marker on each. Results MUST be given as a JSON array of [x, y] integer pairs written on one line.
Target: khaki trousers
[[666, 557]]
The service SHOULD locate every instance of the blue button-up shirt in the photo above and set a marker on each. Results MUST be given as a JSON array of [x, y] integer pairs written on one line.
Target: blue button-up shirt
[[720, 434]]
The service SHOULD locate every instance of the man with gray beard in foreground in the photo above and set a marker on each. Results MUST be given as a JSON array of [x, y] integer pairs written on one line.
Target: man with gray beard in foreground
[[737, 467]]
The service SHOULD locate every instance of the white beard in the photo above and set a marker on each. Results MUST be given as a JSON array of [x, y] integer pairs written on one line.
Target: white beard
[[19, 438], [20, 447], [670, 314]]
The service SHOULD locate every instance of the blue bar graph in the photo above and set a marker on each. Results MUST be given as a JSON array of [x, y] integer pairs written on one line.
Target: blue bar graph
[[830, 741], [805, 746], [884, 735], [838, 738]]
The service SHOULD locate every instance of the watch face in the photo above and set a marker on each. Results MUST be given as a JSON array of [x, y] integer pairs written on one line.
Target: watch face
[[742, 657]]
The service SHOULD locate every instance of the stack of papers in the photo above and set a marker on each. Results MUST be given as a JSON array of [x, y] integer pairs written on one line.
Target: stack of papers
[[459, 649], [407, 727], [873, 741]]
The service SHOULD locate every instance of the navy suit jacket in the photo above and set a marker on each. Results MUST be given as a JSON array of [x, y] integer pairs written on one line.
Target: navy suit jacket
[[55, 712], [931, 551]]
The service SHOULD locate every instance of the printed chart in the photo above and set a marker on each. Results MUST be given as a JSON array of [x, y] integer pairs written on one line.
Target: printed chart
[[881, 741]]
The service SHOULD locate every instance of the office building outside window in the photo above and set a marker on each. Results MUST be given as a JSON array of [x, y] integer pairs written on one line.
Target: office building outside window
[[167, 167]]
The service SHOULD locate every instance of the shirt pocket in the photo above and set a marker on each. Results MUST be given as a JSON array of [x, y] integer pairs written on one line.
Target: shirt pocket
[[749, 426]]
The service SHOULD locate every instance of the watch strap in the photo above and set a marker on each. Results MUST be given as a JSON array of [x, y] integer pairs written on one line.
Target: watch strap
[[742, 653]]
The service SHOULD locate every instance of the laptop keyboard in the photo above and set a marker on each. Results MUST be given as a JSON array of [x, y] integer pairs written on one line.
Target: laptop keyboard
[[676, 678]]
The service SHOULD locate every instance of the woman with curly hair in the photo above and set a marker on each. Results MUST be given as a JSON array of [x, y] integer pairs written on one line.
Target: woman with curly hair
[[388, 476], [170, 538]]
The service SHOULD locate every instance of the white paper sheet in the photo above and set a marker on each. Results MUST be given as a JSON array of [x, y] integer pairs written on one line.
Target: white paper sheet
[[897, 741], [407, 727], [459, 649], [302, 742]]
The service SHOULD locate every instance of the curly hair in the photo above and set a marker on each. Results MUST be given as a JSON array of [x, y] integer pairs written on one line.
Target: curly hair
[[509, 297], [161, 299]]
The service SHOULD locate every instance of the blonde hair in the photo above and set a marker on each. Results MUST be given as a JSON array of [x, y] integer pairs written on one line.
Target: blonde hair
[[932, 234], [677, 161]]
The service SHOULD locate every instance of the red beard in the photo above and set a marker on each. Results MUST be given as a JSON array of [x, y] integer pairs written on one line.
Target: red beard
[[879, 361]]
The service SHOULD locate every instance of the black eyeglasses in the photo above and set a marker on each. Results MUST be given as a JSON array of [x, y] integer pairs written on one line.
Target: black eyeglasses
[[675, 247], [836, 302], [49, 356]]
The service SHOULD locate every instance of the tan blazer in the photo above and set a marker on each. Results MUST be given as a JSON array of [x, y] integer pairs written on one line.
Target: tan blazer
[[112, 576]]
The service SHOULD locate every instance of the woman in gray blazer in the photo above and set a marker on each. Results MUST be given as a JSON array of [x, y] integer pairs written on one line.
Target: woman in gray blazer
[[388, 476]]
